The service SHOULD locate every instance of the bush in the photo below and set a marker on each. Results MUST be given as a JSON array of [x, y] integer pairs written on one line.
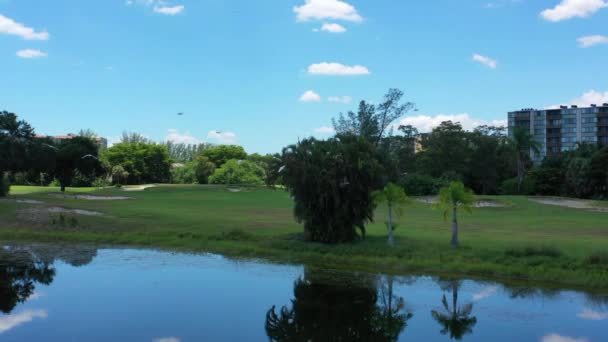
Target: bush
[[509, 187], [5, 185], [421, 185], [238, 172], [532, 251], [184, 174], [598, 258], [100, 182]]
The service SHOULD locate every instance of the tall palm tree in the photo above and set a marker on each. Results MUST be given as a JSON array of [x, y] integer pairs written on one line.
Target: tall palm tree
[[457, 320], [451, 198], [523, 142], [395, 198]]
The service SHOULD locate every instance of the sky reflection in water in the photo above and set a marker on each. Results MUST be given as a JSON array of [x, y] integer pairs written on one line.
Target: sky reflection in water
[[58, 293]]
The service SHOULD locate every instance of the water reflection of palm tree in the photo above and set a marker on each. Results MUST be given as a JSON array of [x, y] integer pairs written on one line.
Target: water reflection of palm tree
[[323, 309], [455, 320]]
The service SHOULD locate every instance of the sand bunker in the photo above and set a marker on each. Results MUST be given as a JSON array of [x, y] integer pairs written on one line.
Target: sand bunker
[[93, 198], [485, 203], [29, 201], [138, 188], [74, 211], [569, 203]]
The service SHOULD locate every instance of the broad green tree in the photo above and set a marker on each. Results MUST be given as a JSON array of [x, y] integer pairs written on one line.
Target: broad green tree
[[523, 142], [203, 169], [451, 198], [218, 155], [145, 162], [395, 198], [76, 156], [332, 182], [238, 172], [119, 173]]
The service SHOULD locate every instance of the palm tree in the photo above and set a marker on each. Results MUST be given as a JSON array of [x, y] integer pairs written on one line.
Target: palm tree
[[395, 198], [523, 142], [457, 321], [451, 198]]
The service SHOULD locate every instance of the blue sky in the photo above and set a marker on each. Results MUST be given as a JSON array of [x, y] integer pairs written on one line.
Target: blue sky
[[262, 72]]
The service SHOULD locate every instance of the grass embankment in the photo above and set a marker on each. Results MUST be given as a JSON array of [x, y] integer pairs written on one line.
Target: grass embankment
[[524, 240]]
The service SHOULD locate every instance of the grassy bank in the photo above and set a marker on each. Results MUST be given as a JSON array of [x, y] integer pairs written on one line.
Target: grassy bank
[[523, 240]]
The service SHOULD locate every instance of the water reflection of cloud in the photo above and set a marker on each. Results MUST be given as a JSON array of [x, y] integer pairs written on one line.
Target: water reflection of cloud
[[166, 339], [486, 292], [592, 315], [560, 338], [9, 322]]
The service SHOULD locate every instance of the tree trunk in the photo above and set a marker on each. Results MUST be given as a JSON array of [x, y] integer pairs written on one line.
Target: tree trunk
[[520, 172], [391, 238], [455, 242], [454, 298], [62, 187]]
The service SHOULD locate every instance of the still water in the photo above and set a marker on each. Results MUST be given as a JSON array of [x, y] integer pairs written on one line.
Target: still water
[[59, 293]]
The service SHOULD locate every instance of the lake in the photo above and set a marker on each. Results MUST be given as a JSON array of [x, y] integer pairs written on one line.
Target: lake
[[82, 293]]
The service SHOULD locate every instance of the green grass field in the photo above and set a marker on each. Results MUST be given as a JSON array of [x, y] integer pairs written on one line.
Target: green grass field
[[524, 240]]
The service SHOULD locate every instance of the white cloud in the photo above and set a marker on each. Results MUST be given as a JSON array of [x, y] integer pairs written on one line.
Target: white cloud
[[486, 292], [310, 96], [166, 339], [326, 9], [325, 130], [9, 26], [222, 137], [587, 99], [589, 41], [175, 136], [31, 53], [560, 338], [337, 69], [169, 10], [109, 68], [333, 28], [9, 322], [340, 99], [489, 62], [426, 123], [568, 9], [34, 296], [593, 315]]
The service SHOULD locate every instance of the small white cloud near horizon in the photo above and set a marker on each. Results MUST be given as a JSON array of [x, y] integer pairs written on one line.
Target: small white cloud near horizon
[[426, 123], [332, 28], [169, 10], [585, 100], [166, 339], [486, 292], [325, 130], [222, 137], [11, 321], [9, 26], [174, 136], [487, 61], [310, 96], [340, 99], [31, 53], [568, 9], [589, 41], [326, 9], [561, 338], [337, 69], [593, 315]]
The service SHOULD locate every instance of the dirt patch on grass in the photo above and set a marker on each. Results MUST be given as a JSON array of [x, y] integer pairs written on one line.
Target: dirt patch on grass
[[569, 203], [93, 197], [138, 188], [23, 201]]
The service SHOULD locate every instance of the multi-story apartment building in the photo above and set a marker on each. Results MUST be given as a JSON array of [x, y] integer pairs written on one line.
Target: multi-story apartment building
[[561, 129]]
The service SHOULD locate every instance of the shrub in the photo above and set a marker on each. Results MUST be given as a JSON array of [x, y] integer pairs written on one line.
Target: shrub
[[531, 251], [184, 174], [598, 258], [100, 182], [421, 185], [238, 172], [509, 187], [5, 185]]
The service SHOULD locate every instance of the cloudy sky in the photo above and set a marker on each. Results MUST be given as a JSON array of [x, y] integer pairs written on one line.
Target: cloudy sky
[[263, 73]]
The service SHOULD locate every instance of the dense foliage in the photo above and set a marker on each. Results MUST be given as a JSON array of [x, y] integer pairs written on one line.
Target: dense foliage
[[144, 162], [332, 182], [238, 172], [77, 156], [218, 155]]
